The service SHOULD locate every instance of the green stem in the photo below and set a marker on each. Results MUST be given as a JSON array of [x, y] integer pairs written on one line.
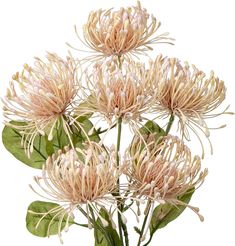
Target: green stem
[[170, 123], [119, 125], [98, 227], [121, 225], [99, 131], [94, 223], [152, 234], [149, 241], [124, 228], [82, 225], [144, 222]]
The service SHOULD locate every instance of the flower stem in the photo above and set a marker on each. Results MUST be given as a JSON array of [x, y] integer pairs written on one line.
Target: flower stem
[[144, 222], [121, 225], [119, 204], [105, 130], [82, 225], [94, 223], [149, 241], [99, 227], [170, 123], [124, 227]]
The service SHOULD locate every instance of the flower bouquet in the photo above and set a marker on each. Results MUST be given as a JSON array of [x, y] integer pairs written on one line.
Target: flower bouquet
[[60, 111]]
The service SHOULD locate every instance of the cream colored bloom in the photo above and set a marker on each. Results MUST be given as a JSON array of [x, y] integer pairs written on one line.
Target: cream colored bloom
[[40, 96], [115, 92], [163, 171], [77, 177], [187, 93], [132, 30]]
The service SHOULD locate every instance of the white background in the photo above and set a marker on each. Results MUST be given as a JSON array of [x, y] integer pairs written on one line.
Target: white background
[[204, 32]]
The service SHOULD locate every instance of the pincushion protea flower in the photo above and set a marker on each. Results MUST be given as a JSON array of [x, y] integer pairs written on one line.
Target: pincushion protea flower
[[187, 93], [132, 30], [40, 96], [77, 177], [115, 92], [162, 172]]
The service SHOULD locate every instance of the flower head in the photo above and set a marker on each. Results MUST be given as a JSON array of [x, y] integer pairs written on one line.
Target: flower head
[[130, 30], [40, 95], [77, 177], [186, 92], [114, 92], [162, 172]]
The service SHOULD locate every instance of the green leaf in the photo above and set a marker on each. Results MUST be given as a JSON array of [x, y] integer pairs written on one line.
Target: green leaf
[[11, 139], [128, 206], [108, 231], [151, 132], [60, 138], [85, 104], [49, 146], [151, 128], [79, 135], [137, 230], [49, 225], [42, 147], [166, 213]]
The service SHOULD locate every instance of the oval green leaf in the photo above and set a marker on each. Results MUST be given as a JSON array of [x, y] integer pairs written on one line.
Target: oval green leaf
[[49, 223], [80, 136], [152, 128], [42, 148], [11, 139], [166, 213]]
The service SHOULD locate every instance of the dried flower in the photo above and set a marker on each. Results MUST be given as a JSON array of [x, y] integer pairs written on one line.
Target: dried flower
[[132, 30], [114, 92], [187, 93], [77, 177], [40, 96], [162, 172]]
